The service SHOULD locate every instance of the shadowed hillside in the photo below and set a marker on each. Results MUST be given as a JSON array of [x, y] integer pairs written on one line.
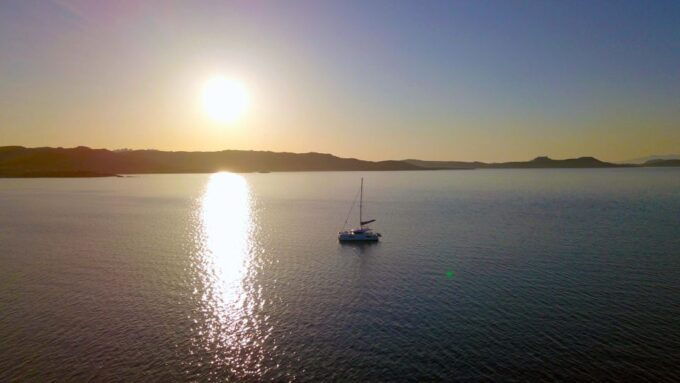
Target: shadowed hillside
[[17, 161], [647, 159], [446, 164], [546, 162], [654, 163], [536, 163]]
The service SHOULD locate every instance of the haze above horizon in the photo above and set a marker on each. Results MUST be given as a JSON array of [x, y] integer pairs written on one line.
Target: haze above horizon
[[489, 81]]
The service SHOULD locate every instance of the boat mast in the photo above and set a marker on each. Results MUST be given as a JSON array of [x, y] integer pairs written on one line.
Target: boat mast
[[361, 203]]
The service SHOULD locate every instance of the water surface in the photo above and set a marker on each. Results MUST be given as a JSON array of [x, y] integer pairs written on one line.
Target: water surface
[[485, 274]]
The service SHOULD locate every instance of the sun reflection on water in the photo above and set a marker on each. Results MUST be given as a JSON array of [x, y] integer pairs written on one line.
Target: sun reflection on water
[[228, 329], [227, 227]]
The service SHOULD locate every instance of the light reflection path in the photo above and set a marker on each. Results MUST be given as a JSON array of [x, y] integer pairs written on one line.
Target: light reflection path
[[228, 332]]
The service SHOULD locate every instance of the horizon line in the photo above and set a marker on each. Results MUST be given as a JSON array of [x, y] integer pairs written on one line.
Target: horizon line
[[331, 154]]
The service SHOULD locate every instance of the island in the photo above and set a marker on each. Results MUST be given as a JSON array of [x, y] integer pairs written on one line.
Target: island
[[22, 162]]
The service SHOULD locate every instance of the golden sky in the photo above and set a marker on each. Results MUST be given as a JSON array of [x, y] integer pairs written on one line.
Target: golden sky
[[376, 81]]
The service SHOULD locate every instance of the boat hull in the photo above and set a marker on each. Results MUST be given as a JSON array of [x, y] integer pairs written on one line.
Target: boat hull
[[348, 239], [358, 236]]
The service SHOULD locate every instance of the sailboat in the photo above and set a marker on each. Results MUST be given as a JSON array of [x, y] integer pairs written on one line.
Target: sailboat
[[363, 233]]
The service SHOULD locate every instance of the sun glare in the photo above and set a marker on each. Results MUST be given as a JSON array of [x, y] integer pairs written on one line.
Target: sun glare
[[224, 99]]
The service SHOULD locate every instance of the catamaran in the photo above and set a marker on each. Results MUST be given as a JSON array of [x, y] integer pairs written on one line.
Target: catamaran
[[363, 233]]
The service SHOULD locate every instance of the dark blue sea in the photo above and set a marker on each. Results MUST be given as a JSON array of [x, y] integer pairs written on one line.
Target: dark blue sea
[[481, 275]]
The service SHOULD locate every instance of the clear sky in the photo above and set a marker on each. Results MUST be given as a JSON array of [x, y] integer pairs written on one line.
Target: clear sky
[[451, 80]]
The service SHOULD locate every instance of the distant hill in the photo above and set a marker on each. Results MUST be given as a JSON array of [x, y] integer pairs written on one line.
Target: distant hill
[[538, 162], [54, 174], [643, 160], [18, 161], [652, 163], [546, 162], [445, 164]]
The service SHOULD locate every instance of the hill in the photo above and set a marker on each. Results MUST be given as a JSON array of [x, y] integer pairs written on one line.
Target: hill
[[445, 164], [653, 163], [546, 162], [644, 160], [83, 161], [538, 162], [19, 161]]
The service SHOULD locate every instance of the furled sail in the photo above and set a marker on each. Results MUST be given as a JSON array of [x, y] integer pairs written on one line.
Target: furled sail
[[367, 222]]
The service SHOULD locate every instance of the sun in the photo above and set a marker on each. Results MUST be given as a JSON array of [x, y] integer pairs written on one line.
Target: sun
[[224, 99]]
